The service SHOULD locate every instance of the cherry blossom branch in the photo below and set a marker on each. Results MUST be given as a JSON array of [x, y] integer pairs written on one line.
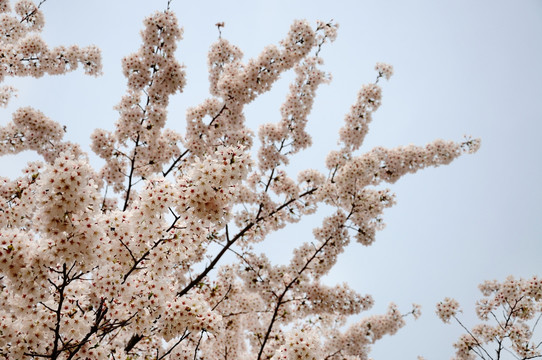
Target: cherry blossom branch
[[146, 253], [154, 67], [179, 158], [132, 342], [536, 324], [99, 317], [474, 338], [242, 258], [25, 18], [333, 354], [223, 298], [59, 345], [287, 288], [58, 313], [229, 243], [142, 258], [183, 336], [198, 343], [131, 173], [183, 154]]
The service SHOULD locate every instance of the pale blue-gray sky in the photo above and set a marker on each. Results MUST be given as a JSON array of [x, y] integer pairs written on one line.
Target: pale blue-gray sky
[[461, 67]]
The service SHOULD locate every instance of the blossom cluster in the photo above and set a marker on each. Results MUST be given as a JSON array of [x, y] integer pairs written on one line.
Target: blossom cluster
[[509, 311], [140, 146], [131, 261], [25, 53], [385, 70], [208, 188], [447, 309], [32, 130]]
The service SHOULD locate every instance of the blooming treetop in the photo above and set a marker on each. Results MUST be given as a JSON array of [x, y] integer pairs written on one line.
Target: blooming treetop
[[87, 274]]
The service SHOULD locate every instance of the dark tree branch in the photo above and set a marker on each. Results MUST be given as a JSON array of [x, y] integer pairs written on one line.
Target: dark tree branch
[[239, 235]]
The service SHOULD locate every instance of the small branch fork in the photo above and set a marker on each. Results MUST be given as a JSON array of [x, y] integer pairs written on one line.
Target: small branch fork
[[27, 16], [184, 153], [146, 253], [232, 241], [100, 327], [280, 299], [183, 336]]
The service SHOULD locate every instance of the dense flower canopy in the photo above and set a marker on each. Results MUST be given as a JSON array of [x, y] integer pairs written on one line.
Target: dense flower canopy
[[122, 262]]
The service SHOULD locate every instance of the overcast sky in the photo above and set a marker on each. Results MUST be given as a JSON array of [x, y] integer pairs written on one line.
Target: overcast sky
[[461, 67]]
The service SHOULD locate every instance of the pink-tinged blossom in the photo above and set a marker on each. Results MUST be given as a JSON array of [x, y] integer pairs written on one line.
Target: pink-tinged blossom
[[385, 70], [447, 309], [6, 92]]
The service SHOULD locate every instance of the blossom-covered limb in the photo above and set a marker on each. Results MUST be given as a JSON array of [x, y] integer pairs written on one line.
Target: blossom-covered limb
[[509, 311]]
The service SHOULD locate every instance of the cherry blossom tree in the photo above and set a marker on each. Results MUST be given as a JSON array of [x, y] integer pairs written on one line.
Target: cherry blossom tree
[[128, 261]]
